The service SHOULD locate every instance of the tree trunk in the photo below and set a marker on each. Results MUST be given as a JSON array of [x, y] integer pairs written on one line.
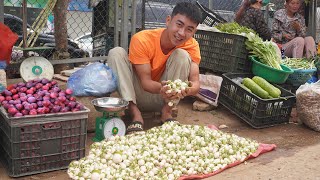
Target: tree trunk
[[61, 33]]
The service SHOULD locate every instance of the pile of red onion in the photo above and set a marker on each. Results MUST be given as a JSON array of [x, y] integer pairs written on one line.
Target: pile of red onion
[[39, 96]]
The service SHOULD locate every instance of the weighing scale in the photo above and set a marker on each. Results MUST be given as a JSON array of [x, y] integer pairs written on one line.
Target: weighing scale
[[36, 68], [110, 123]]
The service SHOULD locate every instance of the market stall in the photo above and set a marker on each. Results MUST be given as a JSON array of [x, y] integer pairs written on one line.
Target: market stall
[[43, 126]]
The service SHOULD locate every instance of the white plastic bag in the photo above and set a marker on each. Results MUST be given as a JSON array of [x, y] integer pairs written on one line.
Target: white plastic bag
[[204, 27], [209, 89], [308, 105]]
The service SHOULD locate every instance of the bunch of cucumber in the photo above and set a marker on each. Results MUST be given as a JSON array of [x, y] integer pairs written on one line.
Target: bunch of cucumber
[[260, 87]]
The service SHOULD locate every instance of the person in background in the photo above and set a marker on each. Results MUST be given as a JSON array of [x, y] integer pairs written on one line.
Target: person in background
[[251, 16], [156, 56], [289, 30]]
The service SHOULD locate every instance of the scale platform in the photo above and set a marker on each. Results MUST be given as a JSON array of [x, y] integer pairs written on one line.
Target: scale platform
[[110, 124]]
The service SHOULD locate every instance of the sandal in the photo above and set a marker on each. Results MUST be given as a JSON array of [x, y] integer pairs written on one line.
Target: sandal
[[134, 126]]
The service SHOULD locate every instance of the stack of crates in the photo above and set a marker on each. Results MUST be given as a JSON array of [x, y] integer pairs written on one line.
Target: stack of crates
[[226, 54], [221, 52], [41, 143]]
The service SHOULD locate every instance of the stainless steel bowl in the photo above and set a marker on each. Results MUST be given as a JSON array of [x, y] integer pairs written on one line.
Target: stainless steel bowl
[[109, 104]]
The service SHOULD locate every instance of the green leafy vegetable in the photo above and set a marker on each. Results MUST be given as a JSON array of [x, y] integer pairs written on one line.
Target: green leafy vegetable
[[234, 28], [264, 50]]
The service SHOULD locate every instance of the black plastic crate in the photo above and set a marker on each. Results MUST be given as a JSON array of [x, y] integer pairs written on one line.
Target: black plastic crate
[[222, 52], [257, 112], [209, 17], [289, 87], [42, 143]]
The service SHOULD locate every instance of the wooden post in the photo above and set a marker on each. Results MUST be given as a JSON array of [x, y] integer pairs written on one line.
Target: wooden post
[[143, 13], [1, 11], [133, 17], [116, 23], [124, 24], [61, 35], [24, 26]]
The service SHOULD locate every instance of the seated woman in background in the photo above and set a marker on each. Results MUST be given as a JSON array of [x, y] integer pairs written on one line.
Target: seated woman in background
[[289, 30], [251, 16]]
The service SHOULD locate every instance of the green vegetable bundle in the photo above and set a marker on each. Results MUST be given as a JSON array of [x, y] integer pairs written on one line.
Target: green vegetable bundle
[[233, 28], [265, 50]]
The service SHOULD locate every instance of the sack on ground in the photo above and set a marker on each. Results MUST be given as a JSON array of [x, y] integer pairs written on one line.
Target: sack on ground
[[96, 79], [209, 88], [308, 105]]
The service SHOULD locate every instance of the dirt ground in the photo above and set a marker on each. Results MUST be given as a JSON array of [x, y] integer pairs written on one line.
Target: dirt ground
[[297, 155]]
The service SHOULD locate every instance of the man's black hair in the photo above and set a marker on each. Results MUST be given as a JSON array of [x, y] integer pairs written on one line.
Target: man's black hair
[[188, 9]]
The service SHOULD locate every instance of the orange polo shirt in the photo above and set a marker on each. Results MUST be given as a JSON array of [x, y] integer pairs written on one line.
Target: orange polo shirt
[[145, 49]]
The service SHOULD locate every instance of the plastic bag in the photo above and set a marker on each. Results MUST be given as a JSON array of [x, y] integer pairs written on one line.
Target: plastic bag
[[7, 40], [308, 105], [209, 88], [96, 79], [3, 64]]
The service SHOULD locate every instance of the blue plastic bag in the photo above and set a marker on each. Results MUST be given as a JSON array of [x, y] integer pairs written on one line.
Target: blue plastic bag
[[96, 79], [3, 64], [313, 79]]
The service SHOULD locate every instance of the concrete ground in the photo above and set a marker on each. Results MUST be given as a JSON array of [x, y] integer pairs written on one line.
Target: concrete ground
[[297, 155]]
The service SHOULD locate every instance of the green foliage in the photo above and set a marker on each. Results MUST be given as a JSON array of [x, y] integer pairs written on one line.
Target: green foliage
[[264, 50], [233, 28]]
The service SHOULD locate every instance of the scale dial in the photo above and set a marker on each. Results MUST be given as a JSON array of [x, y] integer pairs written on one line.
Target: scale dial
[[114, 126], [36, 68]]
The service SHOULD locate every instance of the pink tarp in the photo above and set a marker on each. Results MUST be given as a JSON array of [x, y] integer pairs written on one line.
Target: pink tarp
[[263, 148]]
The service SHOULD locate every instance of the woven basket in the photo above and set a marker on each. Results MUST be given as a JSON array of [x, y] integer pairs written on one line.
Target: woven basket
[[300, 76]]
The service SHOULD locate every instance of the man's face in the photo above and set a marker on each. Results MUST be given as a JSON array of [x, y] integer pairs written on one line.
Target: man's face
[[180, 29]]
